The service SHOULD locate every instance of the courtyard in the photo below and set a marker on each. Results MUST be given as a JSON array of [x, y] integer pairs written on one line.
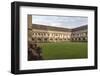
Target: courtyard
[[64, 50]]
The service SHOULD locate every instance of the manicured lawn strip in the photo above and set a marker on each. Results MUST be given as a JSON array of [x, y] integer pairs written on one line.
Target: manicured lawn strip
[[64, 50]]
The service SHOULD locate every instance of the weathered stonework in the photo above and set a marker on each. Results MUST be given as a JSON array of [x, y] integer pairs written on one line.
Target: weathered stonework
[[42, 33]]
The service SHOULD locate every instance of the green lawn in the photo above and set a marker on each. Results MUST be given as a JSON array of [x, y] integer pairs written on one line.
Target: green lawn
[[64, 50]]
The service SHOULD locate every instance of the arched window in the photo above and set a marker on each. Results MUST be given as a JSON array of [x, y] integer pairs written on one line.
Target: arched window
[[39, 39], [33, 39], [44, 34], [79, 39], [56, 39], [84, 38], [51, 39], [45, 39]]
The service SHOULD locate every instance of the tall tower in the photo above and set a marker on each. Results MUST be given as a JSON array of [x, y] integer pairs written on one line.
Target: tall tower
[[29, 21], [30, 28]]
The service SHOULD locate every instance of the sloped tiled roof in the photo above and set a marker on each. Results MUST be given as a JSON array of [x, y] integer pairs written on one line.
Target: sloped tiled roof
[[80, 28], [44, 27]]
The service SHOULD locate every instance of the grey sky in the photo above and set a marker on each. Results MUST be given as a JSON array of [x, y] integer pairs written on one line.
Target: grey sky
[[60, 21]]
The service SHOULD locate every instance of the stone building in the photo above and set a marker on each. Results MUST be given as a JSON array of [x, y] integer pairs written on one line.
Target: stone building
[[42, 33], [79, 33]]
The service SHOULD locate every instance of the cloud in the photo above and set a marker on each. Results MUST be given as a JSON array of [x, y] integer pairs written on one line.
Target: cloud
[[60, 21]]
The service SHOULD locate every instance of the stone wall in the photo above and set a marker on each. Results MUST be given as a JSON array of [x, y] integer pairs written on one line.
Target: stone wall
[[40, 35]]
